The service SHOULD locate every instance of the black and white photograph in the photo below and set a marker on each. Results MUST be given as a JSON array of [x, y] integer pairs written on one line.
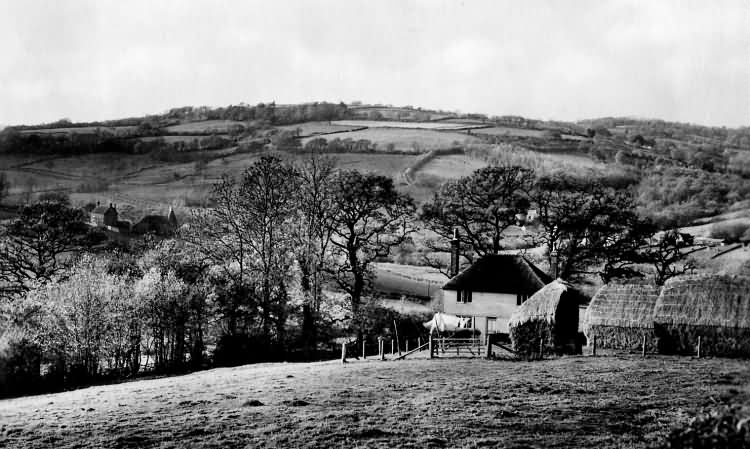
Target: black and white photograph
[[374, 224]]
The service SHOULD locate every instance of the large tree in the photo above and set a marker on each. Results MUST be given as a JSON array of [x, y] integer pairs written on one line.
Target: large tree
[[481, 206], [371, 217], [249, 234], [40, 243], [312, 233], [587, 227]]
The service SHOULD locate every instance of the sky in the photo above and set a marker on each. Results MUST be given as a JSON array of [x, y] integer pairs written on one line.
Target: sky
[[685, 60]]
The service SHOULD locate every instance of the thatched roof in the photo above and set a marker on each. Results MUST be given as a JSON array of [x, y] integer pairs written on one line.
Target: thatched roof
[[500, 273], [623, 305], [705, 300], [543, 305]]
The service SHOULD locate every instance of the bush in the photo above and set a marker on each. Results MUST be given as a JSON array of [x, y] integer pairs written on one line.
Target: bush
[[20, 364], [727, 428]]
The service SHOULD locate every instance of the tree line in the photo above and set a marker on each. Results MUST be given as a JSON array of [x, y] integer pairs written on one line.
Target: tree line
[[280, 265]]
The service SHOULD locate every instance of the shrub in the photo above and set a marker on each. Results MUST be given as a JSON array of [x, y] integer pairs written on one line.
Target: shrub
[[727, 428], [20, 363]]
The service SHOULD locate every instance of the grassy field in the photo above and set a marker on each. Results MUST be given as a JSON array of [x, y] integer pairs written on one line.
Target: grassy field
[[508, 131], [78, 130], [316, 128], [410, 140], [603, 402], [408, 125], [451, 166], [216, 126], [408, 279]]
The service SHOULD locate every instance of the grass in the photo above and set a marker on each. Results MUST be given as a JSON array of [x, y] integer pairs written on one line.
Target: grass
[[508, 131], [408, 280], [452, 166], [407, 125], [409, 140], [602, 402], [206, 126], [316, 128], [78, 130]]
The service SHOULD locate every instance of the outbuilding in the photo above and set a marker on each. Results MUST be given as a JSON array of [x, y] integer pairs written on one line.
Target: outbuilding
[[620, 315], [715, 308], [548, 322]]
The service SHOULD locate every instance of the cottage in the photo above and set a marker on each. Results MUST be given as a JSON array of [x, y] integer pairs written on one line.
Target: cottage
[[620, 315], [548, 322], [490, 290], [713, 307], [104, 216]]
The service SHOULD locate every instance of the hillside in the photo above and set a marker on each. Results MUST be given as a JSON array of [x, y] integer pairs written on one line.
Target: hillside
[[602, 402], [684, 174]]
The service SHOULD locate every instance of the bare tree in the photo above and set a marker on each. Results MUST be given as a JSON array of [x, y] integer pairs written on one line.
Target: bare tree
[[371, 217], [313, 235]]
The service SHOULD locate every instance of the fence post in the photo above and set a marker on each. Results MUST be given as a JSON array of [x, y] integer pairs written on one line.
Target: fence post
[[393, 346], [429, 346], [364, 356], [643, 349], [380, 347], [407, 345], [699, 346], [343, 352], [419, 342], [594, 347], [488, 352], [541, 348]]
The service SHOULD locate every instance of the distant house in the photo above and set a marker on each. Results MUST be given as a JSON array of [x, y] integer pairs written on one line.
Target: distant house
[[161, 225], [107, 217], [103, 216], [491, 290]]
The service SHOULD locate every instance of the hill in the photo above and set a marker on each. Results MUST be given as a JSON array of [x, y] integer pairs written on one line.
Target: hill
[[682, 174], [597, 402]]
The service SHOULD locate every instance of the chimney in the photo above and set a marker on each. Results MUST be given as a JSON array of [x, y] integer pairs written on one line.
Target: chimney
[[455, 254], [553, 264]]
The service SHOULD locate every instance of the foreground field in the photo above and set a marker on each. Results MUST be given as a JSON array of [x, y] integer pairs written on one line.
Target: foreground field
[[571, 402]]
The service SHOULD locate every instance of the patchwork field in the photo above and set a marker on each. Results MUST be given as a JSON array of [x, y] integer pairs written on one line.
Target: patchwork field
[[406, 139], [602, 402]]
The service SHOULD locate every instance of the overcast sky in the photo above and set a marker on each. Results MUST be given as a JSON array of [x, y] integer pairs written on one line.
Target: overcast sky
[[87, 60]]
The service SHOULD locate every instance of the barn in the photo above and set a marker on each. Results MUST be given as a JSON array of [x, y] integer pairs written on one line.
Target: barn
[[713, 307], [620, 315], [548, 322]]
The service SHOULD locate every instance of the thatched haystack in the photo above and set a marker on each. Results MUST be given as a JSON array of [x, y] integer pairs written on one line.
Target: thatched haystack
[[547, 323], [621, 314], [714, 307]]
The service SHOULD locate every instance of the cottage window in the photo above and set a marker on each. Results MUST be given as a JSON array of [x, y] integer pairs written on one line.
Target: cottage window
[[491, 325], [464, 296]]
